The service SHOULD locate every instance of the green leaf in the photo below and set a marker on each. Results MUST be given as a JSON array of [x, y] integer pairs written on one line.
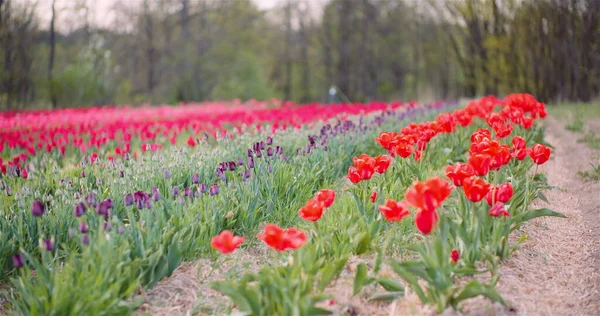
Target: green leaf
[[361, 243], [236, 296], [474, 288], [313, 310], [541, 196], [360, 279], [410, 278], [390, 284], [330, 272], [386, 296], [529, 215]]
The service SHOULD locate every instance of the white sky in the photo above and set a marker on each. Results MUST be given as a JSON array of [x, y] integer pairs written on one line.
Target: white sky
[[101, 11]]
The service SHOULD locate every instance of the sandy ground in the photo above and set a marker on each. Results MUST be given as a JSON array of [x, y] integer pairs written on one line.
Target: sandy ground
[[556, 271]]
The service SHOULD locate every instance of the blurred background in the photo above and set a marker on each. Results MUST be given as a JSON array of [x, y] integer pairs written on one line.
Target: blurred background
[[66, 53]]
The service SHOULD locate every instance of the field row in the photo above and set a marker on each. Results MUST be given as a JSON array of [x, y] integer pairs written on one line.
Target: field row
[[85, 237]]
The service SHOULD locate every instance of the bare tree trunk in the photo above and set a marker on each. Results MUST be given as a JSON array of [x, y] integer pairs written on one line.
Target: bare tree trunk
[[51, 58], [287, 89], [327, 58], [306, 95], [149, 47], [343, 66]]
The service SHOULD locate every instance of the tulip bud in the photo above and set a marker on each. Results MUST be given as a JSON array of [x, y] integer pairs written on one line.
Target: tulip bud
[[83, 227], [37, 209], [79, 209], [18, 261], [128, 199]]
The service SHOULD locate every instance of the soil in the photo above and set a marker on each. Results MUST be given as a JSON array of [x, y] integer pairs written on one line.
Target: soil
[[555, 272]]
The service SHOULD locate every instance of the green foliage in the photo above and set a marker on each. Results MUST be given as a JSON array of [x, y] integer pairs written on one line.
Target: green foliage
[[286, 289]]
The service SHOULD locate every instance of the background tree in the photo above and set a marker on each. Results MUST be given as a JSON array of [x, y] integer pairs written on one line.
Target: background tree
[[168, 51]]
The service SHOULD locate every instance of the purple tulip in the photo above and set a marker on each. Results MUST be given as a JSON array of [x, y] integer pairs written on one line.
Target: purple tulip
[[278, 150], [270, 169], [240, 162], [269, 140], [8, 191], [99, 181], [250, 153], [270, 151], [187, 191], [203, 188], [37, 209], [175, 191], [258, 153], [128, 199], [83, 174], [139, 204], [214, 189], [83, 227], [121, 230], [90, 199], [231, 165], [85, 239], [155, 194], [104, 208], [221, 175], [167, 173], [79, 209], [325, 148], [107, 226], [262, 145], [148, 204], [18, 261], [121, 174], [250, 163], [246, 175], [48, 245], [195, 178]]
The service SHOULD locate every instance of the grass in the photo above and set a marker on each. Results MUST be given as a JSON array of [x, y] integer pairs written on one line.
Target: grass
[[592, 175], [573, 110], [591, 140]]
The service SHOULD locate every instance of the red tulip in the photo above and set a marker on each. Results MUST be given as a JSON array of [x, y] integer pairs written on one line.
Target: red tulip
[[481, 135], [454, 256], [475, 189], [426, 221], [539, 154], [459, 172], [382, 163], [498, 210], [480, 163], [402, 148], [312, 210], [24, 173], [373, 196], [502, 193], [226, 242], [280, 239], [394, 211], [326, 197], [191, 142], [386, 139], [428, 195], [353, 175]]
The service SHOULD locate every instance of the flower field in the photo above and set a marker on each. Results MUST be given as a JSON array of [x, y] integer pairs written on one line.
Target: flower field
[[99, 205]]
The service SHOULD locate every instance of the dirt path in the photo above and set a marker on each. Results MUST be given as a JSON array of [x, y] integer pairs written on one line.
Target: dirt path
[[557, 271]]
